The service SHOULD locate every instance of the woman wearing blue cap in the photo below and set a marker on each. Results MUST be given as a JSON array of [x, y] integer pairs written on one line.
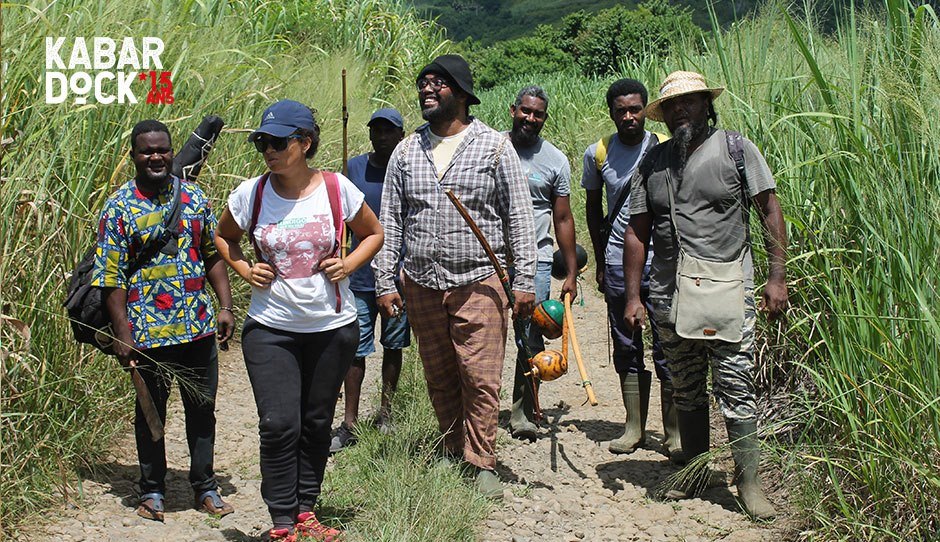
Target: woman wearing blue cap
[[301, 333]]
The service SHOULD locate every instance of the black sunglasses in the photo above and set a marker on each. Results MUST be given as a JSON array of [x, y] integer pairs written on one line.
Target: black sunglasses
[[276, 143]]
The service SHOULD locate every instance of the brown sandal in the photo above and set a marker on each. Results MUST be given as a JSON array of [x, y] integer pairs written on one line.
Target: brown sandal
[[152, 511], [211, 503]]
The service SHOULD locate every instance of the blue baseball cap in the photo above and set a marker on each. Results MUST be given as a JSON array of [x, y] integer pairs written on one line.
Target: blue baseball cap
[[389, 114], [283, 119]]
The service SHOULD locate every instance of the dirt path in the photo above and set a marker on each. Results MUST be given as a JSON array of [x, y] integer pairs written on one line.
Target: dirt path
[[565, 486], [569, 487]]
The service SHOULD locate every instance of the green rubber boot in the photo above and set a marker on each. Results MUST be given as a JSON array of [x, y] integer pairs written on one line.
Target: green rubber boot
[[672, 440], [696, 440], [488, 484], [521, 425], [745, 449], [636, 400]]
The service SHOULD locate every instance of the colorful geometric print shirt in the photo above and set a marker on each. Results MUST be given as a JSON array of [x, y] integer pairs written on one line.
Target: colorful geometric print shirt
[[167, 299]]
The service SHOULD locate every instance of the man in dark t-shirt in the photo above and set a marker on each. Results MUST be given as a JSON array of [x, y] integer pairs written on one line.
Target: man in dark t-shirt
[[367, 172]]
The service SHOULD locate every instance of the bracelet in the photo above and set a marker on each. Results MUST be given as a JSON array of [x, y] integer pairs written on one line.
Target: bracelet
[[227, 309]]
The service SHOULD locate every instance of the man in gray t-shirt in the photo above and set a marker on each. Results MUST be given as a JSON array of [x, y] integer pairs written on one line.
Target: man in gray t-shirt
[[549, 175], [608, 166], [710, 203]]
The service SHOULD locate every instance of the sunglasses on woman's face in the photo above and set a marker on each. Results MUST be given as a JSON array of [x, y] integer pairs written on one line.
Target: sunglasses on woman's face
[[276, 143]]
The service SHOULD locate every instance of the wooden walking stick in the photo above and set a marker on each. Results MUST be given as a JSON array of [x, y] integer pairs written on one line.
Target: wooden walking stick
[[344, 235], [585, 381], [518, 325], [345, 129]]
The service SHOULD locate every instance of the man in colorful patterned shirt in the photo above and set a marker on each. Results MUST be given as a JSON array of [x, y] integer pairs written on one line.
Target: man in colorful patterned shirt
[[162, 313]]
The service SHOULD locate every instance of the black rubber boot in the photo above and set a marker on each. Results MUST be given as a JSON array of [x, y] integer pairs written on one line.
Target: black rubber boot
[[672, 440], [745, 449], [696, 440], [636, 400]]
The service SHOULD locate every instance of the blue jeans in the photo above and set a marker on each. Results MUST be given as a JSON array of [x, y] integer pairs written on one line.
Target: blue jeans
[[628, 345], [532, 336], [396, 334]]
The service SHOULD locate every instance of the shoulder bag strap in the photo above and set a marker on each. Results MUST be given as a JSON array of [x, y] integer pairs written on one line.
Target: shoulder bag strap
[[167, 242], [336, 208], [614, 211], [735, 142], [672, 206]]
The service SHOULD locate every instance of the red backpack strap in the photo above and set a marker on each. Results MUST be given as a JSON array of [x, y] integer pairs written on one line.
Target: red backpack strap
[[255, 212], [336, 208]]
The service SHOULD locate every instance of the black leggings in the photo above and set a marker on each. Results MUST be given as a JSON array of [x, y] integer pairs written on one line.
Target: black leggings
[[296, 378]]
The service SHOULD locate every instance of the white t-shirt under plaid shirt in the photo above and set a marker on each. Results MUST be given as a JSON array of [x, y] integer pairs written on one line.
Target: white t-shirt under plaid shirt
[[442, 251]]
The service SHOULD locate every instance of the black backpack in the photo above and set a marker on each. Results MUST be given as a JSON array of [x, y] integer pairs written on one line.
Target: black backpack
[[84, 303]]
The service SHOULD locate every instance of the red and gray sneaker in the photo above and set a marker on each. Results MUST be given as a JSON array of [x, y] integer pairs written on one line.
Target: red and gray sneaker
[[281, 535], [309, 526]]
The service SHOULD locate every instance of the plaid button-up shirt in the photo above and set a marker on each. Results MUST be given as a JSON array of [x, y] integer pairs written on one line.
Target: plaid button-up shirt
[[442, 253]]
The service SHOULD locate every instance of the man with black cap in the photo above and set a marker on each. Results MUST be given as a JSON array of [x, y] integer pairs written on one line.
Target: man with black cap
[[692, 197], [456, 303], [548, 175], [367, 172]]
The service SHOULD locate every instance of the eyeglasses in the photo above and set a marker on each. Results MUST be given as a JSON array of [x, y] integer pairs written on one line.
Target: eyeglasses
[[276, 143], [436, 84]]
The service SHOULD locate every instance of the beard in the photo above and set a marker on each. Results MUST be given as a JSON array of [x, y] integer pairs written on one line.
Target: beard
[[523, 137], [683, 137], [446, 109], [153, 179]]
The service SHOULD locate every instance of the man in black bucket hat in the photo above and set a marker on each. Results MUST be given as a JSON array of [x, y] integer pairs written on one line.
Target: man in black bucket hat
[[457, 70], [456, 303]]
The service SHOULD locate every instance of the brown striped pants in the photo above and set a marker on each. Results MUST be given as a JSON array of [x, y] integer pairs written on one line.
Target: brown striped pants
[[462, 340]]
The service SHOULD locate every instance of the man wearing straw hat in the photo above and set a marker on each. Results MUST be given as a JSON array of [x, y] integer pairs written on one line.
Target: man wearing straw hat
[[456, 303], [692, 196]]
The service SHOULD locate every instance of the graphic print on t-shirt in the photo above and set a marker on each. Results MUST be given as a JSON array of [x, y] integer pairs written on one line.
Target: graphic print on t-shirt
[[296, 245]]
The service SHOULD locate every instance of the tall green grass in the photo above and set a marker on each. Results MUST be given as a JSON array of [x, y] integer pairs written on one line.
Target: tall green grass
[[230, 58]]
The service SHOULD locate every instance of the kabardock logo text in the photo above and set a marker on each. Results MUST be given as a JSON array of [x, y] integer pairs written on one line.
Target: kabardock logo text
[[106, 70]]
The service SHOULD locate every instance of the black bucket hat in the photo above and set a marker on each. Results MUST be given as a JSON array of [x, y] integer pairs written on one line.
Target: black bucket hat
[[455, 68]]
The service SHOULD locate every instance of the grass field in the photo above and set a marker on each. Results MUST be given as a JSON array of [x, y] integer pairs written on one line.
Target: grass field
[[847, 122]]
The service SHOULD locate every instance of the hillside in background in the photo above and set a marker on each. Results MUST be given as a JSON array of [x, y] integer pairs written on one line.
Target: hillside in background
[[488, 21]]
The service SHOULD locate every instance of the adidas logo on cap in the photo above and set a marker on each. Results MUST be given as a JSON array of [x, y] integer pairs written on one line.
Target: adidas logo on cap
[[270, 116]]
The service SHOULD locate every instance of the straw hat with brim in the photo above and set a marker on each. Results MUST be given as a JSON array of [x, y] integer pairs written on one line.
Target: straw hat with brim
[[679, 84]]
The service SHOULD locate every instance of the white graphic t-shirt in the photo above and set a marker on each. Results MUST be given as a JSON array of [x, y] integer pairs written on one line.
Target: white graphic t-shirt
[[294, 236]]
